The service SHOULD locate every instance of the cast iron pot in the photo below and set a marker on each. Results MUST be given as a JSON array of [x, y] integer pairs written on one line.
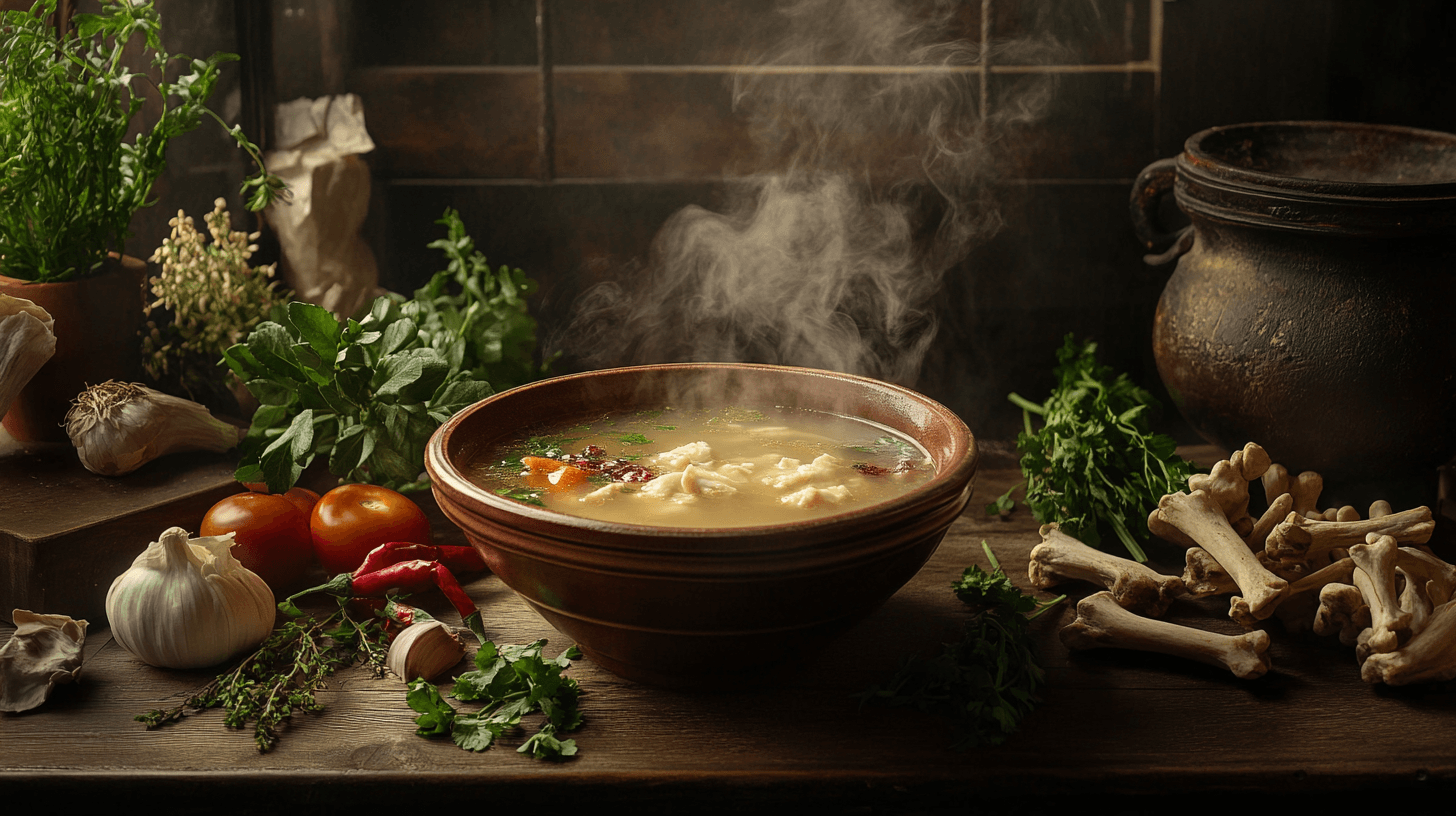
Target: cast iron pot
[[1310, 309], [701, 607]]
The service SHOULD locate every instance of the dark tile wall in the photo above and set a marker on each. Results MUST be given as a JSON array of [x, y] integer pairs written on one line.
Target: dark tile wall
[[569, 132]]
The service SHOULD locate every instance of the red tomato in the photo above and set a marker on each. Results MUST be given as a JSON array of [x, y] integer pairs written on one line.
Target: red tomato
[[353, 519], [303, 498], [270, 536]]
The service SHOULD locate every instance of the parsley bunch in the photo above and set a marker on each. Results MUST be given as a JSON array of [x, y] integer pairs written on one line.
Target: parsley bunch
[[1095, 461], [369, 393], [513, 682], [284, 675], [985, 684]]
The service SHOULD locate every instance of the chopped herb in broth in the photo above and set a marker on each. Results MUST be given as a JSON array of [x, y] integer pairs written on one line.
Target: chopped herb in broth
[[729, 468]]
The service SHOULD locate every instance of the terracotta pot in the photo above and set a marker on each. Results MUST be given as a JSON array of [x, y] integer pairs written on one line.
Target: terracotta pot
[[97, 324], [1310, 308], [702, 606]]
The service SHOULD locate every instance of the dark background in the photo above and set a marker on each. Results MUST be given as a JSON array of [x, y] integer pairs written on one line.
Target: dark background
[[566, 144]]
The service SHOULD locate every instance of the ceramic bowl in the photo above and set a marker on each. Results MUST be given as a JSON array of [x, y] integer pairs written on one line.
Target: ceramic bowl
[[694, 606]]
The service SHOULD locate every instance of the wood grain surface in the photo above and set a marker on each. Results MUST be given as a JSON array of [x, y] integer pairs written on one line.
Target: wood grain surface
[[1125, 727]]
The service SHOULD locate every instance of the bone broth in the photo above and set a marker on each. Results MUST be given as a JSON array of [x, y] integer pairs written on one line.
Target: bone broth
[[727, 468]]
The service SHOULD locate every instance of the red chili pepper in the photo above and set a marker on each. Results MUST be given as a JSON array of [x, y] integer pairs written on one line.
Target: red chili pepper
[[445, 580], [406, 576], [395, 552], [460, 559], [457, 558], [383, 573]]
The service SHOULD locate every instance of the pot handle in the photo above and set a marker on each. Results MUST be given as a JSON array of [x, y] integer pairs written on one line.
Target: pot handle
[[1148, 191]]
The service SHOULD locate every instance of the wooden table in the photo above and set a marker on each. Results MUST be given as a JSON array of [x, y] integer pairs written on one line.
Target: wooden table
[[1113, 728]]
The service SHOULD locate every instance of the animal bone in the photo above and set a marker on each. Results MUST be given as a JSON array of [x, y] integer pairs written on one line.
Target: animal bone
[[1204, 576], [1200, 519], [1430, 655], [1375, 576], [1301, 608], [1227, 483], [1342, 610], [1304, 488], [1437, 577], [1060, 557], [1277, 510], [1298, 538], [1102, 623]]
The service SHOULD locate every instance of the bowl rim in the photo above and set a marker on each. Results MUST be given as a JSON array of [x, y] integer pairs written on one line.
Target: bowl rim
[[956, 479]]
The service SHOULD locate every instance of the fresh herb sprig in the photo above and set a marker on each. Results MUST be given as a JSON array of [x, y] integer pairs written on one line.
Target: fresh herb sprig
[[477, 318], [73, 176], [512, 682], [284, 675], [1095, 462], [986, 683], [369, 393], [207, 299]]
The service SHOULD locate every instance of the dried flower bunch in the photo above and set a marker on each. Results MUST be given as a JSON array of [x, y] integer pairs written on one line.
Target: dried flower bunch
[[213, 299]]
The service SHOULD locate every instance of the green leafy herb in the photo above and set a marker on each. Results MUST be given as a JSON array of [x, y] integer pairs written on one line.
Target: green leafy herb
[[634, 439], [1003, 504], [1095, 462], [986, 683], [284, 675], [522, 495], [889, 445], [73, 176], [477, 319], [369, 393], [512, 682], [548, 447]]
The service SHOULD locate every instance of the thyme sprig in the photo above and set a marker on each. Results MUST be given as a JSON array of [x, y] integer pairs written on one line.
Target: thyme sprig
[[284, 675], [74, 172]]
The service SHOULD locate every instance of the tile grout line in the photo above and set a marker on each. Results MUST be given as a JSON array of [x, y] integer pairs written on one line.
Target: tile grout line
[[1139, 66], [643, 180], [1155, 56], [546, 130], [985, 59]]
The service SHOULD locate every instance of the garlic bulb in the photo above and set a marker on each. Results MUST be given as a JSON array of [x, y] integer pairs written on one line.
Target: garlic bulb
[[27, 341], [118, 427], [424, 649], [188, 603]]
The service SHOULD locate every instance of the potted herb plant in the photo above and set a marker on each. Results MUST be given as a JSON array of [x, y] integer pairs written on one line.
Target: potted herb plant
[[71, 177]]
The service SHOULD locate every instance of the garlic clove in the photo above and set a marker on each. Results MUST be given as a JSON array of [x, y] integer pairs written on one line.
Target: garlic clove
[[44, 651], [426, 649], [118, 427], [27, 342]]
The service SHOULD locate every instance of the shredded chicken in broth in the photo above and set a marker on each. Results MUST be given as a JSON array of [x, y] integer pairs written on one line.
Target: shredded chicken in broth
[[731, 468]]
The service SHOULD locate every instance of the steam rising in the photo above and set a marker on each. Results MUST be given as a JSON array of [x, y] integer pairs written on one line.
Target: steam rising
[[877, 184]]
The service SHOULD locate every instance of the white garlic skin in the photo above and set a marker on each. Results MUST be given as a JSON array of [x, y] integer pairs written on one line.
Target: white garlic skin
[[188, 603], [424, 649]]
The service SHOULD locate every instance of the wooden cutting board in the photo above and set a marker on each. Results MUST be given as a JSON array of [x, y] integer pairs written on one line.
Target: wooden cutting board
[[65, 532]]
